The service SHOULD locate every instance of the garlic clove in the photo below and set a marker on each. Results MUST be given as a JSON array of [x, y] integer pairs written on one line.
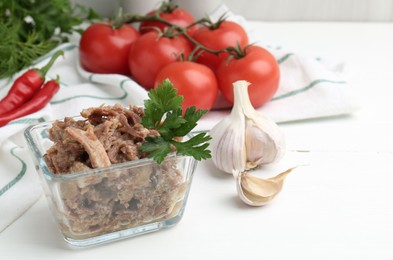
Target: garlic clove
[[262, 146], [256, 191], [228, 143]]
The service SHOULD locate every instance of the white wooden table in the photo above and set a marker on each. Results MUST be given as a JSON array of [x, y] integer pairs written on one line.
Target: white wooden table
[[340, 206]]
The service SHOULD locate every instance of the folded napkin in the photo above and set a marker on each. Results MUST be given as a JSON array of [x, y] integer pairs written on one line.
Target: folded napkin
[[308, 89]]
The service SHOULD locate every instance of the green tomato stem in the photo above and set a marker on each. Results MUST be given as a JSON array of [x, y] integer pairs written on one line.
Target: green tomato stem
[[236, 52]]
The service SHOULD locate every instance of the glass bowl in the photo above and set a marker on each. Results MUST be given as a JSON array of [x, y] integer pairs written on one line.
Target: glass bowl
[[119, 201]]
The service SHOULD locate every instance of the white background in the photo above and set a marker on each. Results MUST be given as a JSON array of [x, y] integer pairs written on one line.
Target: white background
[[272, 10], [315, 10]]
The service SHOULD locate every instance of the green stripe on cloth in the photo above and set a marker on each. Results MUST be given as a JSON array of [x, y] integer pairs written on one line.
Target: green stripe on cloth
[[284, 58], [306, 88], [18, 177], [27, 120], [125, 94]]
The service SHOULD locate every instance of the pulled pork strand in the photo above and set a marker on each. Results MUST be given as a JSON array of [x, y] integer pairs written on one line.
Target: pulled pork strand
[[92, 145]]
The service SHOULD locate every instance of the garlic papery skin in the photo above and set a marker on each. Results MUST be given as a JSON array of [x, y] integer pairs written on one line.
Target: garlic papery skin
[[256, 191], [228, 143], [245, 139]]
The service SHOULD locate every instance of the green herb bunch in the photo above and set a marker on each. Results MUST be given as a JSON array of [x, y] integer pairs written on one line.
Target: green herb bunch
[[31, 28], [163, 112]]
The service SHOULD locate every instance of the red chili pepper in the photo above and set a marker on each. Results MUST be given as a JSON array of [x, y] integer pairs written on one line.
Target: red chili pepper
[[25, 86], [37, 102]]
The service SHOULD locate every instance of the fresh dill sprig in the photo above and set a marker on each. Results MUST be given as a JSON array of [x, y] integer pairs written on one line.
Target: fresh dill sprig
[[32, 28]]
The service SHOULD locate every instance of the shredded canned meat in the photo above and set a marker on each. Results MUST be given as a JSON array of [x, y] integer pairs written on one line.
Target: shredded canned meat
[[98, 202], [110, 135]]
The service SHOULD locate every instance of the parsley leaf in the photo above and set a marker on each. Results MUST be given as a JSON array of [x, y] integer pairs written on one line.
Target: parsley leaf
[[164, 113], [161, 100], [157, 147], [195, 147], [191, 116]]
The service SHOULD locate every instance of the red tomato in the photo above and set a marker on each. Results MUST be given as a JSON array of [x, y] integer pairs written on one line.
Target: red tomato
[[196, 82], [226, 34], [103, 49], [151, 52], [258, 67], [177, 16]]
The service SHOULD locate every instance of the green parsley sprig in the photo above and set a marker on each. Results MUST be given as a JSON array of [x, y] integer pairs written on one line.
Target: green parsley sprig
[[163, 112]]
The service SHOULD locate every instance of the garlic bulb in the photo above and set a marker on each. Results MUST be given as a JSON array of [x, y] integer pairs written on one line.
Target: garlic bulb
[[255, 191], [245, 139]]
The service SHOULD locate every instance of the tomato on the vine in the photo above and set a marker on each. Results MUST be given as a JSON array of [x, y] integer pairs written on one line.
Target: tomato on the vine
[[104, 49], [195, 82], [151, 52], [216, 37], [257, 66], [175, 15]]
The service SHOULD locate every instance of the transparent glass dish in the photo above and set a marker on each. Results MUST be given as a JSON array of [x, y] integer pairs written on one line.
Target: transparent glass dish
[[119, 201]]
